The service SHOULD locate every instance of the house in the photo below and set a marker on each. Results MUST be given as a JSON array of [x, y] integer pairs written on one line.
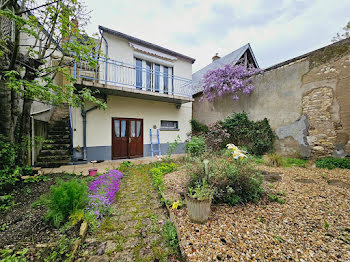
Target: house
[[148, 91], [243, 55]]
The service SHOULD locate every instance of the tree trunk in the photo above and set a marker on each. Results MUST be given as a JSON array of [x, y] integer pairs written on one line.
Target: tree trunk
[[5, 111], [24, 132]]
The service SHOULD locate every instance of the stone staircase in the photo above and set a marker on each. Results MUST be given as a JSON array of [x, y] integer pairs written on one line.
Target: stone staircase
[[58, 151]]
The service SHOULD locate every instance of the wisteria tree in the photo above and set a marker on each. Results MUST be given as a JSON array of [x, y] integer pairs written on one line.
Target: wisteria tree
[[230, 79]]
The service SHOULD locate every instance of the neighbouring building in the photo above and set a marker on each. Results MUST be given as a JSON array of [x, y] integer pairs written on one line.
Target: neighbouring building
[[306, 100], [146, 87]]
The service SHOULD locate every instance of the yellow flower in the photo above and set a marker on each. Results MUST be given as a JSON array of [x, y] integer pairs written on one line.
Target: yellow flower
[[175, 205]]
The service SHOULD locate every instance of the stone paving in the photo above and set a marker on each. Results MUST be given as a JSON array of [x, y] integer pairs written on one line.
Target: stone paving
[[133, 232]]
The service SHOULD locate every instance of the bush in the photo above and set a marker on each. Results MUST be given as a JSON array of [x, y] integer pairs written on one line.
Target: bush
[[196, 146], [290, 162], [159, 171], [217, 137], [273, 160], [198, 127], [65, 199], [332, 163], [258, 136], [234, 182], [170, 235]]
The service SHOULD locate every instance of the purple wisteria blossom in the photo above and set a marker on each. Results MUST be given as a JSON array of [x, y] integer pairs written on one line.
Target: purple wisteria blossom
[[230, 79], [102, 192]]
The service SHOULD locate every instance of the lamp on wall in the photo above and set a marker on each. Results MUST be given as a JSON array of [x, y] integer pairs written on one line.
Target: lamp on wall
[[178, 106]]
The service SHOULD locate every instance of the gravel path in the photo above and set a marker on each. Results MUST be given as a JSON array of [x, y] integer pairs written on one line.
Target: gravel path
[[133, 232], [312, 225]]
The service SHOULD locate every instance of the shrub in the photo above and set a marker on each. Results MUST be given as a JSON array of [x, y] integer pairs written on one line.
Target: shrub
[[170, 235], [217, 137], [196, 146], [6, 202], [290, 162], [258, 136], [198, 127], [234, 182], [332, 163], [159, 171], [64, 199], [273, 160]]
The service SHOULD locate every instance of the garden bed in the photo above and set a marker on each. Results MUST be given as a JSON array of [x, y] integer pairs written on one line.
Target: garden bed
[[303, 216], [23, 226]]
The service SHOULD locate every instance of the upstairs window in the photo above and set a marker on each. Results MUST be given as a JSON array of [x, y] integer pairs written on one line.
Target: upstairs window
[[169, 125]]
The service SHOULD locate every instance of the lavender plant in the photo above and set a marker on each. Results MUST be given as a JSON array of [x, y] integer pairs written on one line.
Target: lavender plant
[[102, 194], [230, 79]]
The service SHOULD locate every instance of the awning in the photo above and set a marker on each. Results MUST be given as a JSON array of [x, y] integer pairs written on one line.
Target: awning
[[152, 52]]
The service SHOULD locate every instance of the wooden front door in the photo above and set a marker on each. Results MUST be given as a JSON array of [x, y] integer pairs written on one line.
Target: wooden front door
[[127, 138]]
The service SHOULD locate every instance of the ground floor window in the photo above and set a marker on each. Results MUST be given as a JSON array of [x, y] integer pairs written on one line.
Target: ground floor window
[[169, 125]]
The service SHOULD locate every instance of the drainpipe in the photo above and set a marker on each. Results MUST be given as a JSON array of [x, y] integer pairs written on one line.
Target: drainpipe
[[83, 114]]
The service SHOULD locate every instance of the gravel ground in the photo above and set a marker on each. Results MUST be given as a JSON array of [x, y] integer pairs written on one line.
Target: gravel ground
[[312, 225]]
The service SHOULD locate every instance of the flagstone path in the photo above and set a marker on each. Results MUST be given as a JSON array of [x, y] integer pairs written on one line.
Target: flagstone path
[[133, 232]]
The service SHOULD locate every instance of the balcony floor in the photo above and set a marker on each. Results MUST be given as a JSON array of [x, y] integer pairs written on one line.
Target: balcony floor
[[133, 92]]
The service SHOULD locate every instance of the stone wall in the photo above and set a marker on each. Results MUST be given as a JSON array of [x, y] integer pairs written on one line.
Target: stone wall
[[305, 99]]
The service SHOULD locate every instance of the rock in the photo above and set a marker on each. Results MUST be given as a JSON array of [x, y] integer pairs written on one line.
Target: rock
[[318, 148], [83, 230], [98, 259], [101, 249]]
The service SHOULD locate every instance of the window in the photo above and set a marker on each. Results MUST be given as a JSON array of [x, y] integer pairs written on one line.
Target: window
[[149, 76], [169, 125], [138, 73], [165, 80], [157, 77]]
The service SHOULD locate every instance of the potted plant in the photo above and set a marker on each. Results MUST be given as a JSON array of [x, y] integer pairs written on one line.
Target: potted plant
[[198, 201]]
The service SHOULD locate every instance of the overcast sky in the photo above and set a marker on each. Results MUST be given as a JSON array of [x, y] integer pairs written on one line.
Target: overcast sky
[[276, 29]]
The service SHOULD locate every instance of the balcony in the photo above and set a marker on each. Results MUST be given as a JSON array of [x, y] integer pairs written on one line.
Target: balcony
[[112, 77]]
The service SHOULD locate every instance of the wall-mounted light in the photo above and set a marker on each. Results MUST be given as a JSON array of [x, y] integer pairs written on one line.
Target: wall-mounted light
[[178, 106]]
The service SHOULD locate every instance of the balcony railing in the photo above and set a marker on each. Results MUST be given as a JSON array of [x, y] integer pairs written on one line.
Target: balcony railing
[[114, 73]]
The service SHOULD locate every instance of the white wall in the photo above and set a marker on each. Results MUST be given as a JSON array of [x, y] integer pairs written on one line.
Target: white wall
[[99, 122]]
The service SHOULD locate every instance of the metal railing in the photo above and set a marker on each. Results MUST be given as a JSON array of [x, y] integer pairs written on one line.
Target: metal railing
[[115, 73]]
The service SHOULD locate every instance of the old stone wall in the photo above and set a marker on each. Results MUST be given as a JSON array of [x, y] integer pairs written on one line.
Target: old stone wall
[[306, 100]]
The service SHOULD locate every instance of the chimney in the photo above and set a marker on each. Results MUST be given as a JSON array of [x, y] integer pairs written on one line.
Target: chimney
[[216, 57]]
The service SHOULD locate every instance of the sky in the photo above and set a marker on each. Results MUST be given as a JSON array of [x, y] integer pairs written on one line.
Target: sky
[[276, 29]]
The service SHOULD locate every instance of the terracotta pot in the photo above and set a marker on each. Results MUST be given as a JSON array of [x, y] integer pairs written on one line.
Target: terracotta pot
[[92, 171], [198, 210]]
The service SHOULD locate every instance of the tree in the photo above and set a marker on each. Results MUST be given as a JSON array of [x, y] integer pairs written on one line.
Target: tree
[[46, 42], [344, 35], [230, 79]]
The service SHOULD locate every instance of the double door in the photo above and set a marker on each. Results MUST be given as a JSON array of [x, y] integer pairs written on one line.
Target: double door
[[127, 138]]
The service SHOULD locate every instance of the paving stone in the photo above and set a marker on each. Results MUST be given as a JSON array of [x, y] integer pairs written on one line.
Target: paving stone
[[131, 242], [146, 253], [98, 259], [124, 256]]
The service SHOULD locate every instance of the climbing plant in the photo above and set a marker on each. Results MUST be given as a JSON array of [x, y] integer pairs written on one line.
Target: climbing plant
[[230, 79]]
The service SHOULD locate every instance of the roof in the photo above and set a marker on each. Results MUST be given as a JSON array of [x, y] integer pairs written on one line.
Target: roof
[[145, 43], [231, 58]]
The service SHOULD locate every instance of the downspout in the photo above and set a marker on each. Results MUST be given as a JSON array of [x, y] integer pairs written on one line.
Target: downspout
[[83, 114]]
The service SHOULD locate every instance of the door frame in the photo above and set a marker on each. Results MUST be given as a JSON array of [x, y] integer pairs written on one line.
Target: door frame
[[128, 136]]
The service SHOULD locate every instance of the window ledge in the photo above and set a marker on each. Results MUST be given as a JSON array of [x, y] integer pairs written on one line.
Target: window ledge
[[169, 129]]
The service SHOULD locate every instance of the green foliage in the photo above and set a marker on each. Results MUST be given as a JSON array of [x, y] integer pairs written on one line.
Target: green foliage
[[198, 127], [172, 146], [291, 162], [276, 198], [280, 239], [234, 182], [273, 160], [201, 192], [8, 255], [159, 171], [61, 252], [195, 146], [326, 225], [332, 163], [170, 235], [258, 136], [64, 200], [6, 202], [34, 179]]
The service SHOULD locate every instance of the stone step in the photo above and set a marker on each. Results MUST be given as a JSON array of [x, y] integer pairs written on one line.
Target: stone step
[[54, 158], [58, 136], [59, 132], [52, 164], [60, 141], [55, 152], [56, 146]]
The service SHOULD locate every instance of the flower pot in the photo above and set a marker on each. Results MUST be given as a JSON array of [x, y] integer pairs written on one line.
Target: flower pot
[[92, 171], [198, 210]]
